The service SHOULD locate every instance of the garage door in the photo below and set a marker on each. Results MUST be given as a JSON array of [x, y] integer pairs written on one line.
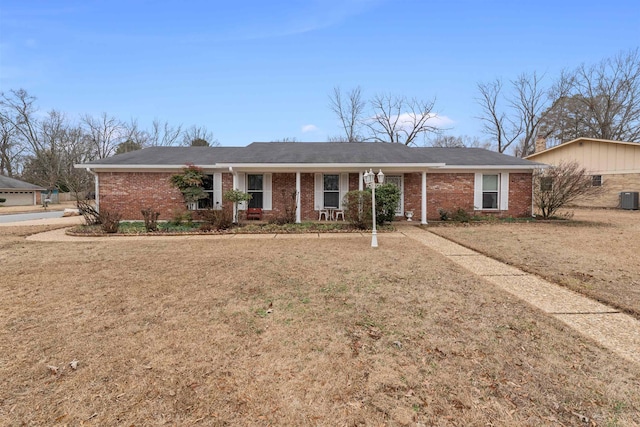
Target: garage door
[[17, 198]]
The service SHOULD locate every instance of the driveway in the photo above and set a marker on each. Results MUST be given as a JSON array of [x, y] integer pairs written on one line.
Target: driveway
[[30, 216]]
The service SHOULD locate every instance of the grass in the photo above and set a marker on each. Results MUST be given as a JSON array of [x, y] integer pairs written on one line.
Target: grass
[[138, 228], [285, 332], [595, 253]]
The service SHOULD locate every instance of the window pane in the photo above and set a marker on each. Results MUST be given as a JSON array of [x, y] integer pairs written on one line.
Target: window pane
[[489, 182], [490, 200], [255, 182], [332, 183], [331, 200], [596, 180], [256, 200], [206, 203], [207, 182]]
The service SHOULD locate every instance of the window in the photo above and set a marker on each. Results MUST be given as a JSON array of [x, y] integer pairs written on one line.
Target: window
[[490, 191], [546, 183], [255, 187], [596, 180], [207, 186], [331, 191]]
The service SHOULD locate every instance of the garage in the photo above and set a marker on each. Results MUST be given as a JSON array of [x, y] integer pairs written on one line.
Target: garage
[[17, 193]]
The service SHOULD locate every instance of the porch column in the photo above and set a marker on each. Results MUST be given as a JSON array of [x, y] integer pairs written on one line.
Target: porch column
[[360, 188], [235, 187], [298, 207], [423, 219]]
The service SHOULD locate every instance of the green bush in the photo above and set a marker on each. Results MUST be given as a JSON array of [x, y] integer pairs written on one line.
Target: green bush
[[2, 200], [461, 215], [387, 199]]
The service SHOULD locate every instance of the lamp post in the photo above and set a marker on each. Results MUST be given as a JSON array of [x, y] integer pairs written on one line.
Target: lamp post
[[370, 181]]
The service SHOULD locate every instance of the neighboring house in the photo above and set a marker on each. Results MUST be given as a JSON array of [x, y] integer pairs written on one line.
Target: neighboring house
[[430, 179], [18, 193], [614, 165]]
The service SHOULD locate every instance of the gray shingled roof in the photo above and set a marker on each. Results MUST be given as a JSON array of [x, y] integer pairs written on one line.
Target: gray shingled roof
[[310, 153], [7, 183]]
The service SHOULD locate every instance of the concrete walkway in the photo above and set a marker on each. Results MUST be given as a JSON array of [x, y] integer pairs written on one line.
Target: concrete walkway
[[609, 327], [612, 329]]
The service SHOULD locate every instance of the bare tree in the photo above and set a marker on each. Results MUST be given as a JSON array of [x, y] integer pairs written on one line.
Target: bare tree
[[136, 136], [599, 101], [559, 185], [530, 102], [163, 134], [350, 110], [400, 120], [286, 139], [10, 149], [502, 128], [199, 136], [104, 133], [451, 141]]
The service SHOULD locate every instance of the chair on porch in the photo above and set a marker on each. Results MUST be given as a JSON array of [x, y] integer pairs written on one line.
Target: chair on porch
[[324, 212], [338, 213]]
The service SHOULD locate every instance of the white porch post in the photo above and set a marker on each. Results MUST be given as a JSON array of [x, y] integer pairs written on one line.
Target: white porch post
[[360, 187], [423, 216], [298, 213], [235, 187]]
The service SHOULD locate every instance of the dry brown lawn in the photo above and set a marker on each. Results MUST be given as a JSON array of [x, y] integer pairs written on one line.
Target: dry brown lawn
[[285, 332], [597, 253]]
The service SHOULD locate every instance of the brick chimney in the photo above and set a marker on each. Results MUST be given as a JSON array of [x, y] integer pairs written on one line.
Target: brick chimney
[[541, 144]]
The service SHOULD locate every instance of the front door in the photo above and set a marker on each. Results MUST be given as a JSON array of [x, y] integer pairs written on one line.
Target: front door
[[397, 181]]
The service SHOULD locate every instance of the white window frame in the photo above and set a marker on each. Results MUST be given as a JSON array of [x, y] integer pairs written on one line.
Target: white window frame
[[503, 191], [251, 190], [343, 188]]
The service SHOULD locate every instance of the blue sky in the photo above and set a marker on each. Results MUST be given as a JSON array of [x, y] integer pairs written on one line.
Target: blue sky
[[263, 70]]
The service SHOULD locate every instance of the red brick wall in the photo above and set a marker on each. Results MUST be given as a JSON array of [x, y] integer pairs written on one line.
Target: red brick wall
[[129, 192]]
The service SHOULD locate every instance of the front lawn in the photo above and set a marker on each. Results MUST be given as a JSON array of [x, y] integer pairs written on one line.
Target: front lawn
[[285, 331]]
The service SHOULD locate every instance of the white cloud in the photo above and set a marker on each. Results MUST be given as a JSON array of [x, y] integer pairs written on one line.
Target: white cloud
[[309, 128], [405, 120]]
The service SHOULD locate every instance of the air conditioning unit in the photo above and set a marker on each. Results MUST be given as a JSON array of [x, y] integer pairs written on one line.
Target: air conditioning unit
[[629, 200]]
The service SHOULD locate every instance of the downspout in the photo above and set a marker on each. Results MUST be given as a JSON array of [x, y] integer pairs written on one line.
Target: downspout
[[298, 207], [96, 189]]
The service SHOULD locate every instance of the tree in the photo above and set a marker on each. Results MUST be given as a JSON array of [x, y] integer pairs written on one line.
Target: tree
[[198, 136], [128, 146], [105, 133], [451, 141], [10, 150], [189, 182], [236, 197], [599, 101], [559, 185], [162, 134], [400, 120], [350, 111], [516, 116], [384, 118]]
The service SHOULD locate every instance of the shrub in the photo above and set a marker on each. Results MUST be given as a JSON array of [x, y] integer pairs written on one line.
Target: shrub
[[236, 197], [90, 214], [216, 219], [357, 208], [181, 217], [189, 182], [109, 221], [289, 203], [559, 185], [444, 214], [461, 215], [387, 199], [2, 200], [150, 219]]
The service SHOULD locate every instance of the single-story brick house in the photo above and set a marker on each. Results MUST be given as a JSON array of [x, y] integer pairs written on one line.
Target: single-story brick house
[[320, 173], [18, 193]]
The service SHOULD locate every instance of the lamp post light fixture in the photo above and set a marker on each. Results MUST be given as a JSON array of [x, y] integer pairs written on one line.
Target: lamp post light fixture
[[370, 182]]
